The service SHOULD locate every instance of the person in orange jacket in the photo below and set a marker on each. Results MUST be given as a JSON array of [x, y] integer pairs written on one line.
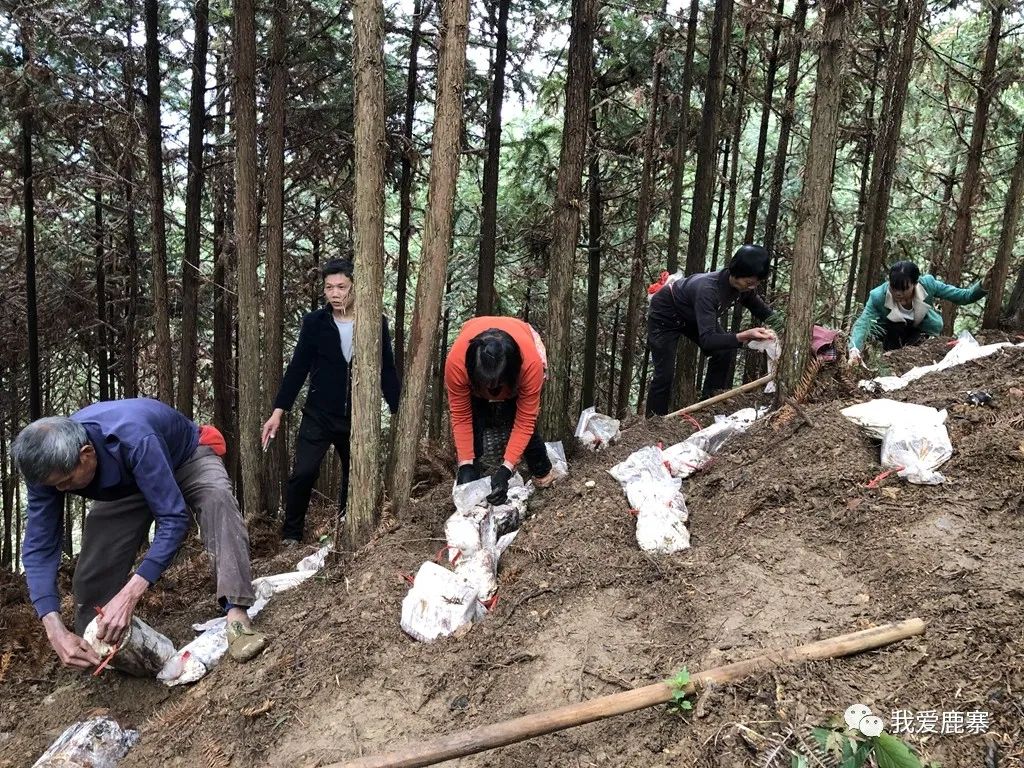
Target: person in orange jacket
[[494, 375]]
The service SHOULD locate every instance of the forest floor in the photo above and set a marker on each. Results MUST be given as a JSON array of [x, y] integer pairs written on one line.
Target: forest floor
[[788, 546]]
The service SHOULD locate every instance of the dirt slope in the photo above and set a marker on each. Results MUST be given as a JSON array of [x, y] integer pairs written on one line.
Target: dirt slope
[[788, 546]]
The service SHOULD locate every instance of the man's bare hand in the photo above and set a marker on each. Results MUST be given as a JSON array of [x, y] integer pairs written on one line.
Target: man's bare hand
[[854, 358], [72, 650], [271, 428], [113, 619], [755, 334]]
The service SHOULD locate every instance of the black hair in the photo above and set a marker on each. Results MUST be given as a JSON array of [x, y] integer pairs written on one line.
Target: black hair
[[751, 261], [493, 359], [903, 275], [337, 267]]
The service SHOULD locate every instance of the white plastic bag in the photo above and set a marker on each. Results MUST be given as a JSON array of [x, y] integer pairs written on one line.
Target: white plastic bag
[[143, 651], [268, 586], [315, 561], [661, 529], [712, 438], [95, 743], [919, 449], [647, 463], [876, 416], [595, 430], [683, 459], [556, 455], [438, 604], [967, 348], [481, 570], [469, 495], [773, 348]]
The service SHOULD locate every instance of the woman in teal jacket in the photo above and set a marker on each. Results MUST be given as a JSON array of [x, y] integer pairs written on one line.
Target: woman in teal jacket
[[901, 310]]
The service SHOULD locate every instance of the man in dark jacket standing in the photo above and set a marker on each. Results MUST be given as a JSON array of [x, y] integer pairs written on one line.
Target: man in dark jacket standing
[[691, 307], [324, 354]]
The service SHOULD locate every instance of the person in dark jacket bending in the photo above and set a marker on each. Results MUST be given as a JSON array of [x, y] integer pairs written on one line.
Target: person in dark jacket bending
[[324, 353], [691, 307]]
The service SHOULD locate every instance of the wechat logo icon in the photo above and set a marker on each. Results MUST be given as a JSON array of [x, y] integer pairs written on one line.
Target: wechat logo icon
[[860, 718]]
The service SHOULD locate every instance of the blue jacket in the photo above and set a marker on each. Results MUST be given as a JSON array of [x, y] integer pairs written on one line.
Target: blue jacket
[[139, 445], [880, 306]]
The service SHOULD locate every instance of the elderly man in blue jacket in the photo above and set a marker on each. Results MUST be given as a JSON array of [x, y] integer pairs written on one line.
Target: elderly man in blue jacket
[[141, 462]]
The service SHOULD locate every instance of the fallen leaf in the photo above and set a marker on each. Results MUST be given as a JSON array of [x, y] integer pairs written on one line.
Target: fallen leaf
[[890, 493], [258, 710]]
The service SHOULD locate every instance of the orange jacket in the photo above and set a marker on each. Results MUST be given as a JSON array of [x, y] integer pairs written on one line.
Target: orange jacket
[[531, 379]]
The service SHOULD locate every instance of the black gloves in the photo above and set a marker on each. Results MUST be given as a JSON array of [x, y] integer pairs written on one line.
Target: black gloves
[[467, 474], [499, 485]]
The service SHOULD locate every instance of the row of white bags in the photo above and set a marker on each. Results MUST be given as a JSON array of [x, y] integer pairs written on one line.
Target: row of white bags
[[197, 658], [652, 478], [966, 348], [442, 601], [914, 437]]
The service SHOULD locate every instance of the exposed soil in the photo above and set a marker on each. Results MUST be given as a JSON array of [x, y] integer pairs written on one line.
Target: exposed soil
[[789, 546]]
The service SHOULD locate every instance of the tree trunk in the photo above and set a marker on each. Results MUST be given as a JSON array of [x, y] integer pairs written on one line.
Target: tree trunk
[[634, 307], [613, 352], [588, 397], [762, 133], [704, 182], [437, 388], [437, 236], [155, 153], [274, 292], [366, 489], [707, 139], [554, 421], [250, 403], [223, 401], [723, 194], [193, 214], [28, 211], [987, 88], [405, 216], [6, 487], [868, 144], [1015, 306], [128, 354], [682, 139], [771, 221], [317, 236], [489, 220], [812, 208], [1007, 239], [884, 161], [102, 360]]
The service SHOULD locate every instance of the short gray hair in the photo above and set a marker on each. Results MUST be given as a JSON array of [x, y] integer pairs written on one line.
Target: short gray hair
[[48, 445]]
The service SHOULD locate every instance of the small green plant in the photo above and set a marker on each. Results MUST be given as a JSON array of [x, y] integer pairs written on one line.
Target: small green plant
[[854, 750], [679, 685]]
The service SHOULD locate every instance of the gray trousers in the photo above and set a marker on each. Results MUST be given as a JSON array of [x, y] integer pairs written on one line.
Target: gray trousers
[[115, 530]]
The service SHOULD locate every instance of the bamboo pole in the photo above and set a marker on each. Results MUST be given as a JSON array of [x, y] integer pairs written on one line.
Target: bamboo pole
[[723, 396], [511, 731]]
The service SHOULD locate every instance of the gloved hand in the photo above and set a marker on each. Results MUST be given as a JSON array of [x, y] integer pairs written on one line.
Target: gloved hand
[[467, 474], [853, 357], [499, 485]]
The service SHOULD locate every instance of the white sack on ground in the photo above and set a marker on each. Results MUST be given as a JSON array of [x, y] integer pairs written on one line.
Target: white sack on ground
[[143, 651], [438, 604], [596, 431], [645, 464], [919, 449], [95, 743], [876, 416], [967, 348], [661, 529], [683, 459], [197, 658], [556, 455]]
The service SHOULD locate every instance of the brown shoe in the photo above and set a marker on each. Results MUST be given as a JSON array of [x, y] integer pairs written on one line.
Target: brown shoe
[[544, 482], [244, 642]]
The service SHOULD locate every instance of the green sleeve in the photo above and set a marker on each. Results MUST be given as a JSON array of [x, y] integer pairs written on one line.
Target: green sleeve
[[941, 290], [866, 324]]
